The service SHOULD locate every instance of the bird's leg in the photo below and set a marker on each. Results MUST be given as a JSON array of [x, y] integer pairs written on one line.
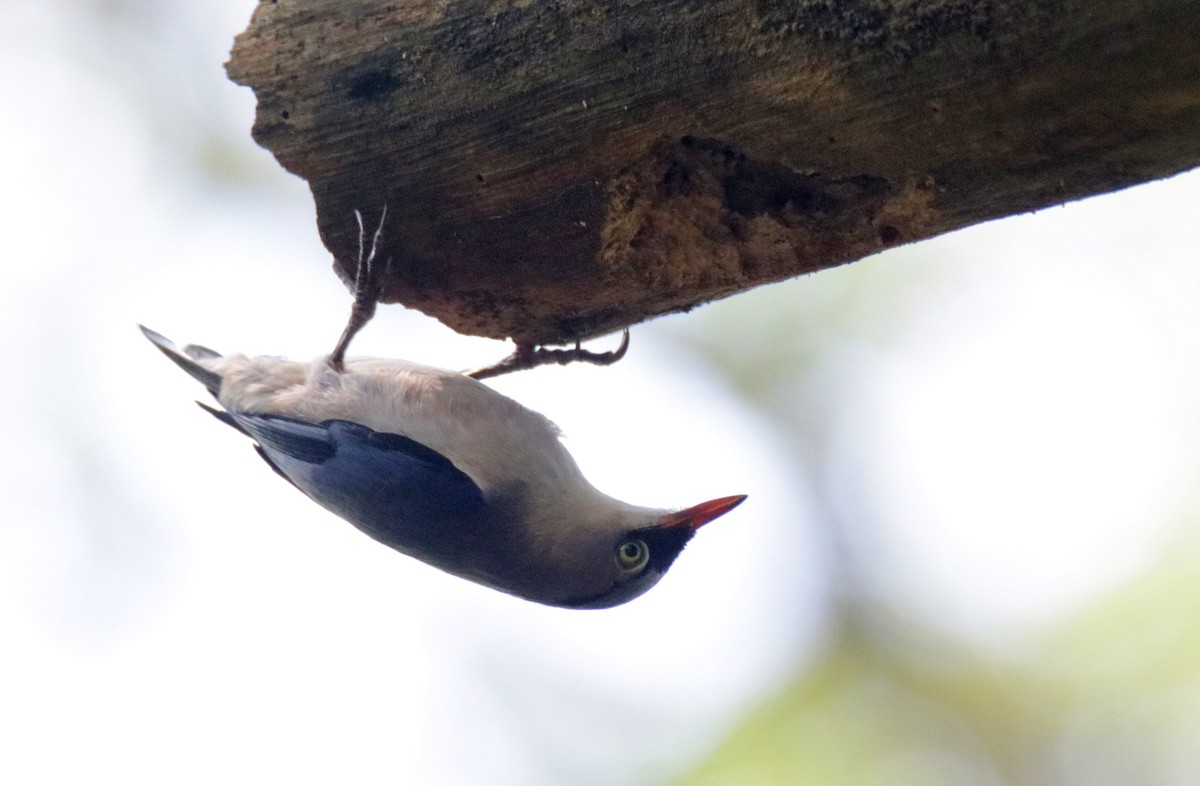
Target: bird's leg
[[368, 286], [530, 356]]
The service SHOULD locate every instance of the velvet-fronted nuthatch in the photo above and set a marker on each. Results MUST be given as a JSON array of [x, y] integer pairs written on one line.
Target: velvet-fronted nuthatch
[[441, 467]]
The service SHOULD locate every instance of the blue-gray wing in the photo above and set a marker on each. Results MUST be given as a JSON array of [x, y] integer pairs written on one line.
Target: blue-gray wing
[[395, 489]]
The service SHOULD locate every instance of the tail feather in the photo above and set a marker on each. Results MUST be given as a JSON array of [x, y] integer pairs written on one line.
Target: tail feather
[[197, 352], [223, 416], [186, 359]]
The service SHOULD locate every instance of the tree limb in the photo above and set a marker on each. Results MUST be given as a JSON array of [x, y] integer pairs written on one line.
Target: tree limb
[[557, 169]]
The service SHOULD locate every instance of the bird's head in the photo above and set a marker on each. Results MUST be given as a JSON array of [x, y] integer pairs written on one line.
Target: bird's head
[[617, 565]]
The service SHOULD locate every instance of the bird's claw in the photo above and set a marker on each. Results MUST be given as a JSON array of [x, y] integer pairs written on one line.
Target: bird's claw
[[368, 287], [527, 356]]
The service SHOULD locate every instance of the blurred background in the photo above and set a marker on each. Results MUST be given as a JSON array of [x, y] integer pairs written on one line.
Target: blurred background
[[970, 554]]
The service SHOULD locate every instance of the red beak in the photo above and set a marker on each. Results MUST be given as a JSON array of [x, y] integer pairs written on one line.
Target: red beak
[[696, 517]]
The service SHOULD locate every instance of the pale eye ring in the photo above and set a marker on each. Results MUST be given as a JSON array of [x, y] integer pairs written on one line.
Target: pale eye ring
[[632, 555]]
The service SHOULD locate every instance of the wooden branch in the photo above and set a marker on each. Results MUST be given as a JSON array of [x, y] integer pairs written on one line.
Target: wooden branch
[[556, 169]]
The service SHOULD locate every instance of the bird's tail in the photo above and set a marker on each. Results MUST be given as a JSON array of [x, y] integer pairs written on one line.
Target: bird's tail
[[186, 359]]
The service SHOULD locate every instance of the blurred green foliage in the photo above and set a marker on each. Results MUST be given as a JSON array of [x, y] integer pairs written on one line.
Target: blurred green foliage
[[1107, 694]]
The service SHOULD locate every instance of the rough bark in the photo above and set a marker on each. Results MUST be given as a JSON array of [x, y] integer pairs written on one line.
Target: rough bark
[[556, 169]]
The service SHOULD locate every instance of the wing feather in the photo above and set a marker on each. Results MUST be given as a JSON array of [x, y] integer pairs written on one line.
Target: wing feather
[[395, 489]]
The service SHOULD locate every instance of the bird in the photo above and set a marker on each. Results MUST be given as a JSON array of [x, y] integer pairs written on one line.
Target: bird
[[443, 468]]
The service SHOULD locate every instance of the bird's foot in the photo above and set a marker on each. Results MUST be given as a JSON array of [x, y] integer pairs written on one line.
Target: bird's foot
[[528, 356], [368, 287]]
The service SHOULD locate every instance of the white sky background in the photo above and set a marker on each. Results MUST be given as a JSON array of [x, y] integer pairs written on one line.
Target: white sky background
[[1034, 440], [172, 611]]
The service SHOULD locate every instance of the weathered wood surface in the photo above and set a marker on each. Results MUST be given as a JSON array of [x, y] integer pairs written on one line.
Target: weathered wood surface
[[556, 169]]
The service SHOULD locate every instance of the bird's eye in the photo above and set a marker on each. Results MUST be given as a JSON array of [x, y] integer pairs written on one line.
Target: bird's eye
[[632, 555]]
